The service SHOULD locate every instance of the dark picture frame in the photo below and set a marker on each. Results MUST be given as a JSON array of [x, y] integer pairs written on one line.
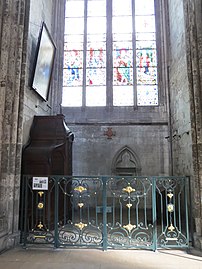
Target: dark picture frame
[[43, 69]]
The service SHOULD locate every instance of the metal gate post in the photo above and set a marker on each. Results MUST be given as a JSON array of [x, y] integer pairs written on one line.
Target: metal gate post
[[56, 244], [154, 213], [187, 179], [22, 208], [104, 201], [25, 181]]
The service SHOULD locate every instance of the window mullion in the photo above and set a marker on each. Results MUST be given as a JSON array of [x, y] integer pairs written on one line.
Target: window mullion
[[109, 58], [134, 55], [84, 53]]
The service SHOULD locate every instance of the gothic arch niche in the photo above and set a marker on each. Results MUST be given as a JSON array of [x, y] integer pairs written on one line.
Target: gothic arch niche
[[126, 163]]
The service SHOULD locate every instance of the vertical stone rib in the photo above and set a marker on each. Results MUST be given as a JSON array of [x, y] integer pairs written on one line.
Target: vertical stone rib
[[11, 98]]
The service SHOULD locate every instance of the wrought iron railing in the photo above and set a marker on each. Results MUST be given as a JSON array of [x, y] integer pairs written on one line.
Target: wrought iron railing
[[105, 212]]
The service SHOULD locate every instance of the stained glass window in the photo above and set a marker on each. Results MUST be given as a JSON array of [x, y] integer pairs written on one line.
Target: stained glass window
[[110, 53]]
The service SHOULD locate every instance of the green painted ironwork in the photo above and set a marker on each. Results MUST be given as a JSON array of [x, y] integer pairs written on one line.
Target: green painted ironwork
[[106, 212]]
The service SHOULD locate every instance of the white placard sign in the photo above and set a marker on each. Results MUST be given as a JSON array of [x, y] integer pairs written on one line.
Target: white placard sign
[[40, 183]]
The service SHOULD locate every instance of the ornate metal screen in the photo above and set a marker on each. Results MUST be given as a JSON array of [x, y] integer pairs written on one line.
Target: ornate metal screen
[[105, 212]]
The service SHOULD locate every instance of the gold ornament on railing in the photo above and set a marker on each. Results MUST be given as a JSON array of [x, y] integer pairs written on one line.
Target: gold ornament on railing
[[80, 189], [128, 189], [80, 205], [170, 195], [171, 227], [80, 225], [129, 227], [40, 225], [129, 205], [40, 205], [170, 208], [40, 193]]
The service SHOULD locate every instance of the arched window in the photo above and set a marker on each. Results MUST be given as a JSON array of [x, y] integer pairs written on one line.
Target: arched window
[[110, 53]]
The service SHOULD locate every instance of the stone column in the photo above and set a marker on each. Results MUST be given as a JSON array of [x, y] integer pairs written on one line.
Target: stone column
[[193, 21], [12, 80], [58, 36]]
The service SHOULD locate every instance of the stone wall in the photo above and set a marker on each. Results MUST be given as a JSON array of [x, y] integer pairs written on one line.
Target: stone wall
[[142, 130], [40, 11], [94, 151], [185, 99]]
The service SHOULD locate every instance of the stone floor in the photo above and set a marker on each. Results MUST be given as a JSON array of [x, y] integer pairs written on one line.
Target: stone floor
[[33, 258]]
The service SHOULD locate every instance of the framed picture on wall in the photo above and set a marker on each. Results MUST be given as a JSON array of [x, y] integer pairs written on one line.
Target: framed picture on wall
[[44, 63]]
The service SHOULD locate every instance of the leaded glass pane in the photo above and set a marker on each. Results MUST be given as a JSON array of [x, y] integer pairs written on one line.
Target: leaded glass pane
[[125, 84], [74, 26], [147, 95], [121, 37], [72, 96], [146, 44], [145, 36], [96, 46], [122, 9], [118, 46], [123, 57], [96, 25], [146, 75], [96, 38], [96, 58], [123, 76], [95, 96], [73, 46], [123, 95], [73, 38], [144, 7], [95, 76], [73, 59], [145, 24], [97, 8], [122, 25], [72, 77], [146, 58], [74, 8]]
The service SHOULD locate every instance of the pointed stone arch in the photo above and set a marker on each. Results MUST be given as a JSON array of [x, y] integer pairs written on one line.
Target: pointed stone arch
[[126, 162]]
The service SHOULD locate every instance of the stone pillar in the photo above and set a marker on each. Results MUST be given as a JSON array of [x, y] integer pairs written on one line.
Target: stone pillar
[[193, 20], [58, 37], [12, 80]]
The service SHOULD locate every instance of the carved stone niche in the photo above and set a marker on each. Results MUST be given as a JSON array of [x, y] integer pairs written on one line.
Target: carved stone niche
[[126, 163]]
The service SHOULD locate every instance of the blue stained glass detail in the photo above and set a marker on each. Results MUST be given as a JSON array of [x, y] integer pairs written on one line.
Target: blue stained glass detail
[[123, 76], [72, 77], [146, 58]]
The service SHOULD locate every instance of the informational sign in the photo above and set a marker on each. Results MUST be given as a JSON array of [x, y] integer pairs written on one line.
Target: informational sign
[[40, 183]]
